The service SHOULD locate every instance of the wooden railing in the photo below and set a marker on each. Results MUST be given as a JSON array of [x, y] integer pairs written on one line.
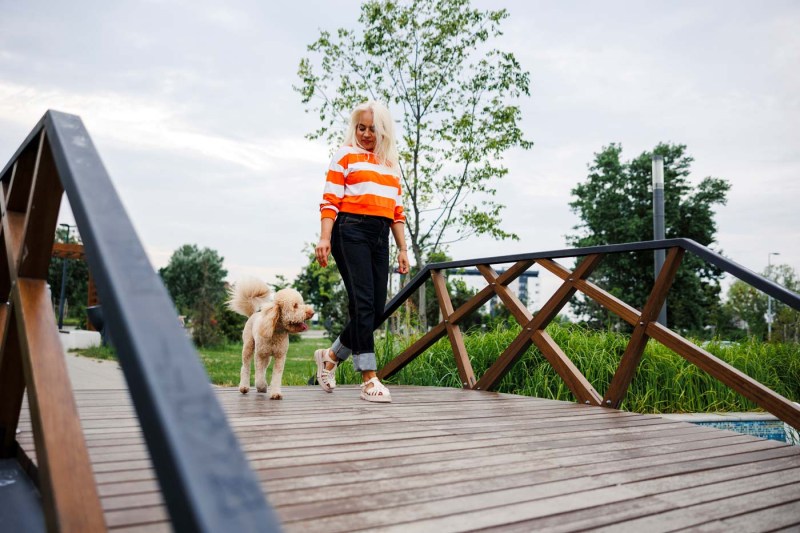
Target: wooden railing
[[644, 322], [204, 476]]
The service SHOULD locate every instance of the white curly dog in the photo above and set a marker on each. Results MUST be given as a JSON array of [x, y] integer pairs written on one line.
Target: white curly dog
[[266, 332]]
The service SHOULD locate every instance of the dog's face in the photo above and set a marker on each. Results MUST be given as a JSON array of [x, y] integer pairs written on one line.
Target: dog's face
[[292, 312]]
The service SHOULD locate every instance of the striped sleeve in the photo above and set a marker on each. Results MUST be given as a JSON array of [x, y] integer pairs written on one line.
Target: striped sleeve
[[334, 184]]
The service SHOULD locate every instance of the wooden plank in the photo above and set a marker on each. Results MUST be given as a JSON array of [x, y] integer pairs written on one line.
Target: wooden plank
[[612, 303], [566, 369], [12, 384], [69, 495], [737, 380], [19, 191], [398, 363], [448, 459], [638, 341], [12, 377], [491, 378], [463, 364], [41, 216]]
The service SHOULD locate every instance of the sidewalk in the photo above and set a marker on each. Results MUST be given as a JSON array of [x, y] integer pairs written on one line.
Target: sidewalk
[[88, 373]]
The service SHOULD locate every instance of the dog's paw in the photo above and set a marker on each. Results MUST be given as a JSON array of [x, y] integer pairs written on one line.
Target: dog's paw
[[244, 389], [261, 389], [276, 396]]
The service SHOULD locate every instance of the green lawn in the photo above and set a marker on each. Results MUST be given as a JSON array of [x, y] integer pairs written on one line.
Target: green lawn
[[223, 363]]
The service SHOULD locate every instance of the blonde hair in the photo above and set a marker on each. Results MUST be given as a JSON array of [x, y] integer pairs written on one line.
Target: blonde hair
[[385, 143]]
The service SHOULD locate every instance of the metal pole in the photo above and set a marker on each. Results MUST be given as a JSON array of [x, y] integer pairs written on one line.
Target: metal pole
[[658, 224], [63, 284], [769, 298]]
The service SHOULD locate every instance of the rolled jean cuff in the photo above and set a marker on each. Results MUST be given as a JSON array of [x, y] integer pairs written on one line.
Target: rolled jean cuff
[[341, 351], [364, 361]]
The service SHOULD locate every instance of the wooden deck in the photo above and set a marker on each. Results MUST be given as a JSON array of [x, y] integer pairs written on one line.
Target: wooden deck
[[441, 460]]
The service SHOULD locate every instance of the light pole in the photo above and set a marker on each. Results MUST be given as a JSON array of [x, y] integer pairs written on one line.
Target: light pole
[[63, 282], [658, 224], [769, 298]]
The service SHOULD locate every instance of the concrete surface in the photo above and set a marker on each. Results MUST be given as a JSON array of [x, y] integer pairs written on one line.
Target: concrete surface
[[75, 339], [88, 373]]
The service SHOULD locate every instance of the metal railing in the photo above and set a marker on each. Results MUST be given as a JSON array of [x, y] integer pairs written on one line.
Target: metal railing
[[205, 478], [644, 322]]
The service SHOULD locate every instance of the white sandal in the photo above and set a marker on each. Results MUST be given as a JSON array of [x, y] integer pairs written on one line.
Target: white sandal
[[377, 393], [326, 378]]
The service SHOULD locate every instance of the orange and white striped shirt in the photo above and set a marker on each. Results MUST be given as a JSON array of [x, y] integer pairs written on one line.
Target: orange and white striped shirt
[[357, 183]]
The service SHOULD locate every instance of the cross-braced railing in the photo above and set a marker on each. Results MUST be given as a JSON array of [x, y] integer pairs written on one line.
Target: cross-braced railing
[[204, 476], [644, 322]]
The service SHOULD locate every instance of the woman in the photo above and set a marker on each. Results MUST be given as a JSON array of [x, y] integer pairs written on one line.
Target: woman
[[361, 203]]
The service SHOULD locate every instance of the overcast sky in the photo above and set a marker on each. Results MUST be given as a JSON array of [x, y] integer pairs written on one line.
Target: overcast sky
[[191, 107]]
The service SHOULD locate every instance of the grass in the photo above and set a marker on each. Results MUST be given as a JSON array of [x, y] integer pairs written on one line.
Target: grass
[[222, 363], [664, 382]]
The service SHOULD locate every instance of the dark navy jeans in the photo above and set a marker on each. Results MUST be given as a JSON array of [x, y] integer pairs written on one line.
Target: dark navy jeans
[[360, 246]]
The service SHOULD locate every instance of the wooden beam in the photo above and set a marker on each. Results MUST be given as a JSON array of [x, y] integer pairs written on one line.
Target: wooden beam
[[67, 250], [566, 369], [463, 364], [491, 378], [69, 494], [612, 303], [638, 341], [737, 380], [41, 216], [409, 354], [12, 378]]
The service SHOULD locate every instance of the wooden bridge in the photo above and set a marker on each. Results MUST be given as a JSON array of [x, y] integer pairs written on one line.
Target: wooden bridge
[[440, 459], [173, 453]]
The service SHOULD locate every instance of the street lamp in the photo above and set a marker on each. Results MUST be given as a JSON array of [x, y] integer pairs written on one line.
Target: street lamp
[[769, 298], [63, 282]]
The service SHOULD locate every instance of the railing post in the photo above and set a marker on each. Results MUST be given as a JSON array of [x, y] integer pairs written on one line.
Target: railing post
[[465, 371], [638, 341]]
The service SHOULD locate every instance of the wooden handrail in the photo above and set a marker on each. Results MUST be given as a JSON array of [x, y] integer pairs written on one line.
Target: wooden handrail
[[204, 475], [644, 322]]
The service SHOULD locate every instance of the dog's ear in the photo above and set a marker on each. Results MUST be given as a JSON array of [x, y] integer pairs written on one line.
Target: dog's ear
[[277, 309]]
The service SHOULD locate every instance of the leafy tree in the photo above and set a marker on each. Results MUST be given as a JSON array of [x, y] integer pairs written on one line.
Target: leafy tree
[[749, 306], [431, 61], [324, 290], [615, 206], [77, 280], [195, 281]]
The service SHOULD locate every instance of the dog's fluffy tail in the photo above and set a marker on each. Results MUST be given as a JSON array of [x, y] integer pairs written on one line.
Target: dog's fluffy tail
[[247, 295]]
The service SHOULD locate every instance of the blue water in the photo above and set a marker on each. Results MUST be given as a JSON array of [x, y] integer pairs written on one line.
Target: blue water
[[764, 429]]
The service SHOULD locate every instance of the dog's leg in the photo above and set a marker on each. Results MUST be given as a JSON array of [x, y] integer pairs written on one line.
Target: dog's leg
[[247, 356], [277, 376], [262, 360]]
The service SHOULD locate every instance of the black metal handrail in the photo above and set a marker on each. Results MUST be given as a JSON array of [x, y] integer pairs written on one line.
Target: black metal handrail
[[533, 331], [204, 475], [761, 283]]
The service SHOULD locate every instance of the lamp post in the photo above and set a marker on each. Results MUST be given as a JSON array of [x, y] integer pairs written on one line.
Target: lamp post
[[658, 224], [63, 282], [769, 298]]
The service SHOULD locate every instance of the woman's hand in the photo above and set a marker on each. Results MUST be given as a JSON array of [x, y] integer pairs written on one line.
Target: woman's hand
[[402, 260], [323, 250]]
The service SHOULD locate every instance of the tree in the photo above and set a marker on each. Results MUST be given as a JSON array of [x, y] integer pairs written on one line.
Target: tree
[[455, 98], [749, 306], [615, 206], [195, 281], [324, 290]]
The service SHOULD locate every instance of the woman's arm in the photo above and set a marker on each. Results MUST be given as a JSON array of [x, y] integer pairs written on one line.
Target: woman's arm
[[324, 245], [399, 232]]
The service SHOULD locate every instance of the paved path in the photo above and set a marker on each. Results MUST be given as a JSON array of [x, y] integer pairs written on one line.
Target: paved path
[[87, 373]]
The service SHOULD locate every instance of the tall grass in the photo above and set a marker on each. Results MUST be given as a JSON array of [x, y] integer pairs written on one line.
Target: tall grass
[[664, 381]]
